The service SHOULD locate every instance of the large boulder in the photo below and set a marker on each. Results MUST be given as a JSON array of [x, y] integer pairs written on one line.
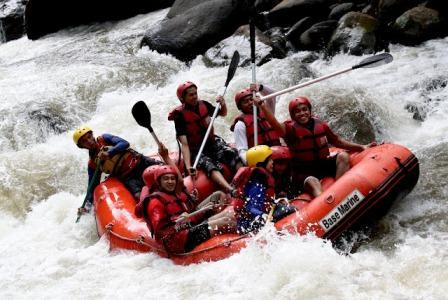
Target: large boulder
[[221, 53], [288, 12], [341, 9], [180, 6], [12, 19], [389, 10], [47, 16], [417, 25], [197, 29], [355, 34], [317, 36], [294, 33]]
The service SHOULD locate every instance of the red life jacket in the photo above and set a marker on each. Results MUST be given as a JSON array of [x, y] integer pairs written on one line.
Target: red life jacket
[[241, 178], [266, 134], [120, 165], [174, 204], [163, 227], [196, 124], [307, 146]]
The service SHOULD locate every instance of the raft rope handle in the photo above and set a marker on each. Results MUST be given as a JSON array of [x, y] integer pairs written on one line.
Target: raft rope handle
[[141, 241]]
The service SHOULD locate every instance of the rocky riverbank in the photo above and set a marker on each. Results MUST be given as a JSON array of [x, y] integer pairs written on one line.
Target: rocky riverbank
[[192, 27]]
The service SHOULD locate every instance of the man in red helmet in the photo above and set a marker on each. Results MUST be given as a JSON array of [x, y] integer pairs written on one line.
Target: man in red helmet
[[308, 140], [243, 125], [165, 210], [191, 120]]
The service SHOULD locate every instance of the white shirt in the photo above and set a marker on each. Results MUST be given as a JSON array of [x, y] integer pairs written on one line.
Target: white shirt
[[239, 131]]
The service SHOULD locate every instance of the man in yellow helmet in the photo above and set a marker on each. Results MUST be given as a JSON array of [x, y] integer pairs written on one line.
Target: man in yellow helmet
[[255, 187], [114, 157]]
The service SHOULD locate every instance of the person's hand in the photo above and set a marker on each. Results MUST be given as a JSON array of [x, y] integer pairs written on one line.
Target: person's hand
[[254, 87], [192, 172], [82, 210], [103, 155], [220, 100], [182, 222], [370, 145], [163, 151], [195, 193], [258, 102]]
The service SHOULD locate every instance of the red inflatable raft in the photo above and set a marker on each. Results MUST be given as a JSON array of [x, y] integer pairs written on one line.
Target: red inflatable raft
[[378, 177]]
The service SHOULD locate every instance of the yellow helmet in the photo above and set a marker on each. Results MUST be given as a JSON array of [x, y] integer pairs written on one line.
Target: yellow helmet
[[80, 132], [257, 155]]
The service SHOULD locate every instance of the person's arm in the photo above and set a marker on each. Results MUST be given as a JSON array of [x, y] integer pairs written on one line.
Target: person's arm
[[239, 133], [118, 144], [339, 142], [280, 127], [163, 151], [185, 152], [89, 194]]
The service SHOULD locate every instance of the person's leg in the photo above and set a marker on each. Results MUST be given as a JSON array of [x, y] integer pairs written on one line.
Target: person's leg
[[312, 186], [217, 177], [218, 198], [342, 164], [223, 222], [227, 155], [214, 172], [134, 185]]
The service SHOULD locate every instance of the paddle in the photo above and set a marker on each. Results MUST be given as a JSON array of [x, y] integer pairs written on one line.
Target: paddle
[[254, 79], [230, 73], [370, 62], [93, 183], [142, 115]]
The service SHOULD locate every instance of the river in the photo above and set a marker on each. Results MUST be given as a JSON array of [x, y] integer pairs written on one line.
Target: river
[[94, 74]]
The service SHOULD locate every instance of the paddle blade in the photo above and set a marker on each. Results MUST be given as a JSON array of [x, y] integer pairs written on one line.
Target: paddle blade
[[232, 67], [252, 40], [374, 61], [142, 115]]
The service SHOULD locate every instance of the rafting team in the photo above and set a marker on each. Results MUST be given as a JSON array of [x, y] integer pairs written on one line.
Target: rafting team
[[263, 174]]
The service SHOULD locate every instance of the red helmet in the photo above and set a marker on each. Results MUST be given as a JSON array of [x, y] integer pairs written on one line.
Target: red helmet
[[163, 170], [148, 175], [296, 101], [240, 95], [182, 88], [280, 152]]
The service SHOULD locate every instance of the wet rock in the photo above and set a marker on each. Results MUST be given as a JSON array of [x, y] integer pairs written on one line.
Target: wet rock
[[189, 34], [341, 9], [277, 41], [47, 16], [318, 35], [263, 5], [12, 19], [356, 34], [181, 6], [289, 12], [389, 10], [221, 53], [418, 111], [294, 33], [417, 25]]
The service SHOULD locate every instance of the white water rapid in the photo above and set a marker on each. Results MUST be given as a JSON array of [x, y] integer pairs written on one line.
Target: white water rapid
[[94, 74]]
